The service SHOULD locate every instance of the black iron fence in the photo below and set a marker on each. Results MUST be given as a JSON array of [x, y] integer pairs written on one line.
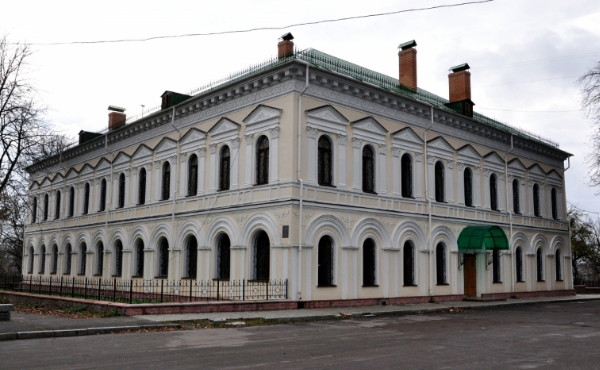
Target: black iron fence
[[589, 282], [147, 291]]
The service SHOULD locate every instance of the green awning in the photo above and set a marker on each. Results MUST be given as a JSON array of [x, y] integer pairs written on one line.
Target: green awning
[[482, 238]]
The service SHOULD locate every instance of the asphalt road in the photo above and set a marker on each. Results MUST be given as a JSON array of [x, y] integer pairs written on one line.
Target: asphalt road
[[557, 335]]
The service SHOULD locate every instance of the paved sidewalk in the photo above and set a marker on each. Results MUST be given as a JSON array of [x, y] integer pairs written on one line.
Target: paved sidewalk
[[29, 326]]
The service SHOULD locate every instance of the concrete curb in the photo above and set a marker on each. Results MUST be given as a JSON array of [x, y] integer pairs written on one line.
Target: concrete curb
[[80, 332]]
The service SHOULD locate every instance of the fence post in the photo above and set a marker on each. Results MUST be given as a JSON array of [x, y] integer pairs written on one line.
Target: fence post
[[40, 285], [73, 287], [130, 291], [243, 289], [267, 290], [114, 289], [61, 284], [162, 284], [85, 288], [218, 289], [99, 287], [50, 287], [191, 283], [30, 282]]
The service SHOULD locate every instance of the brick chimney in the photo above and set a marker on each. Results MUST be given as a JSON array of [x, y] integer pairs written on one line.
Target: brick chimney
[[459, 84], [116, 117], [285, 47], [408, 64]]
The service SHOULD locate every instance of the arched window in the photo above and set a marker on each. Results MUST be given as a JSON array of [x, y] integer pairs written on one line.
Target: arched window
[[540, 264], [223, 257], [493, 192], [369, 259], [99, 258], [440, 264], [262, 161], [325, 262], [192, 175], [536, 200], [34, 210], [54, 259], [224, 168], [102, 205], [468, 187], [71, 201], [409, 264], [516, 200], [118, 258], [163, 258], [57, 206], [31, 256], [554, 204], [262, 249], [406, 171], [440, 185], [121, 200], [166, 181], [68, 253], [42, 260], [325, 161], [368, 169], [138, 270], [142, 186], [82, 258], [519, 264], [46, 207], [496, 272], [86, 198], [558, 260], [191, 257]]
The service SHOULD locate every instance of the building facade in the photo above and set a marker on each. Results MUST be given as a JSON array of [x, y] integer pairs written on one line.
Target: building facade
[[348, 183]]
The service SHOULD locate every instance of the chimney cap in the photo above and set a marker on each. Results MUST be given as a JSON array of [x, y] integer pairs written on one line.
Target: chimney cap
[[460, 67], [114, 108], [287, 37], [407, 45]]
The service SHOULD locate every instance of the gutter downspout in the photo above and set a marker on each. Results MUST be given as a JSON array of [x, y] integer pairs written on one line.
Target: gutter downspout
[[510, 215], [429, 221], [299, 174], [175, 192]]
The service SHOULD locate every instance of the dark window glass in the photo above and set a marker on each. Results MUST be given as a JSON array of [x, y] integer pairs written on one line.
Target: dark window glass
[[139, 258], [554, 204], [99, 258], [409, 264], [516, 200], [68, 253], [440, 264], [31, 256], [193, 175], [540, 265], [325, 262], [262, 248], [118, 258], [519, 264], [71, 201], [536, 200], [496, 266], [262, 161], [34, 210], [46, 207], [54, 259], [42, 259], [325, 161], [163, 258], [82, 258], [439, 182], [369, 262], [368, 169], [86, 198], [57, 206], [224, 169], [121, 202], [102, 205], [142, 187], [558, 257], [166, 181], [493, 192], [468, 180], [223, 257], [407, 176], [191, 257]]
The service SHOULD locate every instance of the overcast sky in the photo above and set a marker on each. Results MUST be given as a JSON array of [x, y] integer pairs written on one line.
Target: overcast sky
[[525, 55]]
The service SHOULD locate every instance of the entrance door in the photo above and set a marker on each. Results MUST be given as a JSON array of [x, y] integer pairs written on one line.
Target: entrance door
[[470, 275]]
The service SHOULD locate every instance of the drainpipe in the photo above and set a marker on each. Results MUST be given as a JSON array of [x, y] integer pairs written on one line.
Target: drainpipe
[[299, 174], [176, 181], [510, 215], [425, 165]]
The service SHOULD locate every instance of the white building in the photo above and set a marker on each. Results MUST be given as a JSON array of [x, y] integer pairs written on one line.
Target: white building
[[348, 183]]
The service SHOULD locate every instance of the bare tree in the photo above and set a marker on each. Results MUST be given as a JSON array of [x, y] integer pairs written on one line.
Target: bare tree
[[590, 89]]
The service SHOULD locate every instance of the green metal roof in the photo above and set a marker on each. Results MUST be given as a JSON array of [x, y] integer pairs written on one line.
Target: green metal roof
[[482, 238]]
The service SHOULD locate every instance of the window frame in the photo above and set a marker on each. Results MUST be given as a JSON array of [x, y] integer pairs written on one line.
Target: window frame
[[262, 160], [441, 262], [369, 263], [368, 169], [516, 189], [325, 262], [406, 173], [408, 264], [142, 181], [224, 168], [325, 161], [440, 182], [468, 186], [192, 183]]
